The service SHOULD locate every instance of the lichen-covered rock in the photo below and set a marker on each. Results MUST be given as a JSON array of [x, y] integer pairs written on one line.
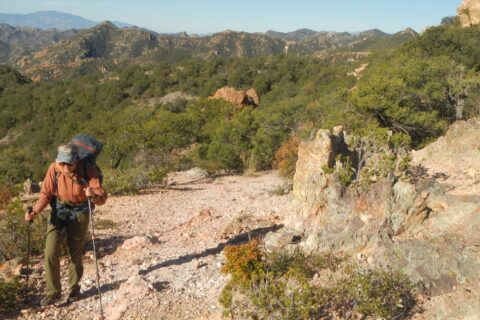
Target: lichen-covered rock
[[311, 185], [430, 230]]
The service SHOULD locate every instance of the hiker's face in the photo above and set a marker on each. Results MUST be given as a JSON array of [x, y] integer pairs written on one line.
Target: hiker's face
[[67, 167]]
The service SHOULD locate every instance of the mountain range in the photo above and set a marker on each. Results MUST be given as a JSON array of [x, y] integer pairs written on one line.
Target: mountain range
[[51, 20], [53, 53]]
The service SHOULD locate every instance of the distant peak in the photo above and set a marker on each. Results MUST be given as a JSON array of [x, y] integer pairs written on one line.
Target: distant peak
[[182, 34], [305, 30], [227, 31], [106, 25], [49, 12], [374, 32], [409, 31]]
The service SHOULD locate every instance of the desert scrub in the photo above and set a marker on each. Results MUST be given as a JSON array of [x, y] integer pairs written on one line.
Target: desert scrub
[[6, 195], [102, 224], [282, 285], [9, 293], [132, 181], [345, 170], [13, 232], [286, 157], [380, 293], [243, 261]]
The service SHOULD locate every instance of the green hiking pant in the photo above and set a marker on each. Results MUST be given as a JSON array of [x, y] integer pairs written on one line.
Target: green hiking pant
[[75, 231]]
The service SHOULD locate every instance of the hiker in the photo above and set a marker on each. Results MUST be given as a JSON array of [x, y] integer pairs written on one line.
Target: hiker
[[67, 188]]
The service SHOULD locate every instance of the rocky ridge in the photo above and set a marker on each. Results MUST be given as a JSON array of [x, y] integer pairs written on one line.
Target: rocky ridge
[[106, 45], [16, 43], [426, 226]]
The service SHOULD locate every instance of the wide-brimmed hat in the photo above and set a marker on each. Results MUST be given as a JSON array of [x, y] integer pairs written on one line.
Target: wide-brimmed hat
[[67, 153]]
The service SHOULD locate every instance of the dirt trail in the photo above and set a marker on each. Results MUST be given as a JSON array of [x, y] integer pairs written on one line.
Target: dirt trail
[[162, 259]]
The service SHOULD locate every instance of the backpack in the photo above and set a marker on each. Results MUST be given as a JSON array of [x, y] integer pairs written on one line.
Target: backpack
[[88, 150]]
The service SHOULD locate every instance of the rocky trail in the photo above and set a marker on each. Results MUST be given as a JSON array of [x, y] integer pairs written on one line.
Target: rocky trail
[[160, 252], [161, 258]]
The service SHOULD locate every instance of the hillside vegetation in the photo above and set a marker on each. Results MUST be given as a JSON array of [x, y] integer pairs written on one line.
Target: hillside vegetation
[[415, 91], [152, 107]]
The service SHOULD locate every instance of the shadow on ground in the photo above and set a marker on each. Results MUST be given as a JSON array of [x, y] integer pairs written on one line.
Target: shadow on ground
[[105, 246], [93, 291], [238, 239]]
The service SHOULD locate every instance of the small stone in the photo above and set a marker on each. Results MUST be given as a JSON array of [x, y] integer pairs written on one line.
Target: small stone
[[361, 256], [18, 270], [337, 130], [199, 264]]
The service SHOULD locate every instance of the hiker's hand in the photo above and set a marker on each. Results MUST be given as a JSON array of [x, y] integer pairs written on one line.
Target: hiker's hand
[[88, 192], [29, 216]]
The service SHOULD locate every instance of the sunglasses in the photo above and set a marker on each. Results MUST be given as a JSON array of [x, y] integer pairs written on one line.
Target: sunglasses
[[63, 164]]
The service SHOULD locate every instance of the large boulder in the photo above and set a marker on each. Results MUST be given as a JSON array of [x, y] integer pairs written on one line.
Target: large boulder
[[239, 98], [312, 187], [469, 13]]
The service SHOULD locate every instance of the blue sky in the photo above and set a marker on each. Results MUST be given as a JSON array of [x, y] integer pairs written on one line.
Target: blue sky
[[207, 16]]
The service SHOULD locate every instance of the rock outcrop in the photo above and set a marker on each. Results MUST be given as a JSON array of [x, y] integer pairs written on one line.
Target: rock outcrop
[[454, 158], [469, 13], [425, 229], [240, 98], [30, 187]]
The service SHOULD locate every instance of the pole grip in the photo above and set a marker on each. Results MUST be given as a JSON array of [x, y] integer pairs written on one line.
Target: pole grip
[[30, 210]]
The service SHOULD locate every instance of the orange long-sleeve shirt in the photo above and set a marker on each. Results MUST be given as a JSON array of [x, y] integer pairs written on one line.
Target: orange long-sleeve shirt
[[70, 189]]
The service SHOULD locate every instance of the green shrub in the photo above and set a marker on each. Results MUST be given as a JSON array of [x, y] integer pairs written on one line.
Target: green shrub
[[386, 294], [282, 285], [13, 232], [132, 181], [346, 172], [242, 261], [280, 263], [9, 293]]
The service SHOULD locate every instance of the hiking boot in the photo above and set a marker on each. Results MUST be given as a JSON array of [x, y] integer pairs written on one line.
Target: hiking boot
[[49, 300], [74, 295]]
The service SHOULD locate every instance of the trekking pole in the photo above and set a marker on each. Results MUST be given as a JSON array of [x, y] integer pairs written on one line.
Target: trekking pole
[[29, 210], [95, 255]]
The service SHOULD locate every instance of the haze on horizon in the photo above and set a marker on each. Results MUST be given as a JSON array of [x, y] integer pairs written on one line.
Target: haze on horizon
[[211, 16]]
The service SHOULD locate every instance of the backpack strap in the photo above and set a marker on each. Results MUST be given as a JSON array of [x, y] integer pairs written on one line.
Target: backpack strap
[[84, 173], [55, 182], [84, 179], [86, 162]]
